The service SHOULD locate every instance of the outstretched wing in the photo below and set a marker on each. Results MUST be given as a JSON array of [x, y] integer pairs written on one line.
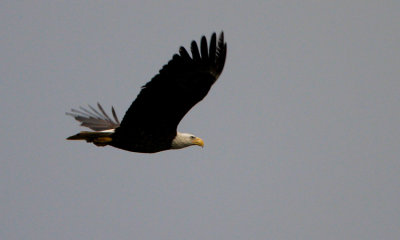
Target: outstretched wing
[[94, 119], [181, 84]]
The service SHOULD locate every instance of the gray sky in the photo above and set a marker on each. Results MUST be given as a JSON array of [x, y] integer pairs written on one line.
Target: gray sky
[[301, 130]]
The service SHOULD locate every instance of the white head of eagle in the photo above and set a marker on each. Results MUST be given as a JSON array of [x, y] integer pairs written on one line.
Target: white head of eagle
[[183, 140]]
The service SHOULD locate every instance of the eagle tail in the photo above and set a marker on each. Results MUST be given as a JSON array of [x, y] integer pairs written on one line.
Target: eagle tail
[[100, 139]]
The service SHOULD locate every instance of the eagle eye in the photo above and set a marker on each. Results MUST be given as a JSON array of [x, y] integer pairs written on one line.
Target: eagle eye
[[192, 137]]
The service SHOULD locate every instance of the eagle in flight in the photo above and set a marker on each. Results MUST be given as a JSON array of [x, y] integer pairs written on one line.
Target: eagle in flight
[[150, 124]]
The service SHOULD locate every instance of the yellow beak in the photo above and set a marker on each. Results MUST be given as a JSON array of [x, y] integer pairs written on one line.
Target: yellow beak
[[198, 141]]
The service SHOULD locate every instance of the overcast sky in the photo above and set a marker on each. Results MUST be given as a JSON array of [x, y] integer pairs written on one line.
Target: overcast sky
[[301, 130]]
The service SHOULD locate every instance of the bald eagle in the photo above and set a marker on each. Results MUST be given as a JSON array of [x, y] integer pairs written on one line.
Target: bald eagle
[[150, 124]]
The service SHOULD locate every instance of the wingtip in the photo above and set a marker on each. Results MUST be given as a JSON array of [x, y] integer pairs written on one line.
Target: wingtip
[[70, 138]]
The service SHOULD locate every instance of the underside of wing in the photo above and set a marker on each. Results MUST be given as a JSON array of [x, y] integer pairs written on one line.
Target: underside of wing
[[180, 85], [97, 120]]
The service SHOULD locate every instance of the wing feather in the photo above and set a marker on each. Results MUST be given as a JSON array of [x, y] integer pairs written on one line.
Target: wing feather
[[195, 51], [204, 49], [213, 48], [95, 120]]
